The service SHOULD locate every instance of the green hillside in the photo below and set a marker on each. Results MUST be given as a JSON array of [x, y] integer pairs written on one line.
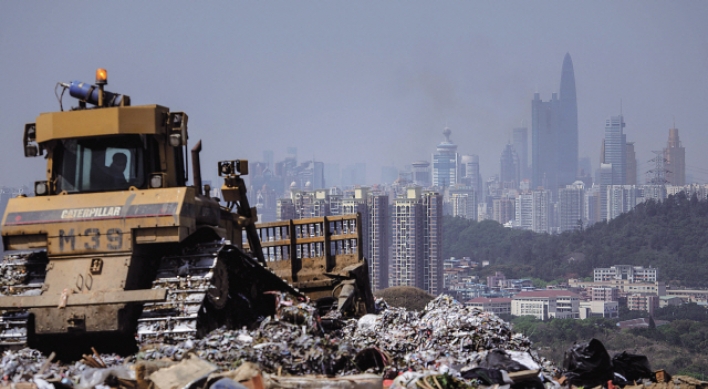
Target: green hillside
[[671, 235]]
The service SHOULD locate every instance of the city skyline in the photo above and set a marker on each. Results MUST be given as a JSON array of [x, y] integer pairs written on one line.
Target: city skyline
[[256, 77]]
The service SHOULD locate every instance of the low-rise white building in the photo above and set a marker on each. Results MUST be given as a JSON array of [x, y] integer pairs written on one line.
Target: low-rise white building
[[546, 304], [626, 272], [499, 305], [599, 308]]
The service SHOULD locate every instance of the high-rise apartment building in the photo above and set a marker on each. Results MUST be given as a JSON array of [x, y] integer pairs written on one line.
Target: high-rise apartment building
[[510, 168], [554, 133], [675, 156], [520, 140], [417, 241], [503, 209], [620, 199], [524, 211], [604, 179], [446, 162], [432, 251], [407, 239], [379, 240], [373, 208], [541, 211], [463, 202], [571, 205], [358, 204], [592, 206], [285, 210]]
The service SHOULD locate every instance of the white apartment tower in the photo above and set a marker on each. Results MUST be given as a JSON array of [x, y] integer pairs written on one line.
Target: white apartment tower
[[620, 199], [524, 211], [541, 211], [463, 202]]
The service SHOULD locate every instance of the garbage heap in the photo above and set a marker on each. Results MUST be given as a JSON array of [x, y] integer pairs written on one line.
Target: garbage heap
[[447, 345], [446, 335]]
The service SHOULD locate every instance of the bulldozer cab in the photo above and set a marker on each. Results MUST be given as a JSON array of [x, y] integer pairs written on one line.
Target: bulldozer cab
[[84, 157], [103, 164]]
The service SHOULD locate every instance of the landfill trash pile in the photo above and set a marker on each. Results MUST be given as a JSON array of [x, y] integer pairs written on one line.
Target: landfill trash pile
[[447, 345], [446, 334]]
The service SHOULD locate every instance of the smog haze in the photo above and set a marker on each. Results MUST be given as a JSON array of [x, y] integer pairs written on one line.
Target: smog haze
[[365, 81]]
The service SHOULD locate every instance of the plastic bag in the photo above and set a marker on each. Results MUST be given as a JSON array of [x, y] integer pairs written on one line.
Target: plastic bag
[[632, 367], [588, 364], [499, 360]]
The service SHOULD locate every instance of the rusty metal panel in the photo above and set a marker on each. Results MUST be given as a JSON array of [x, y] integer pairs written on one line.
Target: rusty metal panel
[[100, 297], [24, 242], [313, 253]]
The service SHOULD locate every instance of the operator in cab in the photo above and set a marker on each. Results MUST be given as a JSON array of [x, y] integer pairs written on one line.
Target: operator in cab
[[116, 170]]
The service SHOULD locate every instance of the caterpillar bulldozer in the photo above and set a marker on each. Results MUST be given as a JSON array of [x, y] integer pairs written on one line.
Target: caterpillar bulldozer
[[115, 244]]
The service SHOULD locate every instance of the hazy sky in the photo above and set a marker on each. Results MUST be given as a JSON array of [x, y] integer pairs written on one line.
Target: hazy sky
[[363, 81]]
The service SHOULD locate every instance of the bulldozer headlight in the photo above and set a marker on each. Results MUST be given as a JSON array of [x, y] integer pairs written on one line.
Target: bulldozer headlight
[[175, 140], [41, 188], [157, 180], [238, 166]]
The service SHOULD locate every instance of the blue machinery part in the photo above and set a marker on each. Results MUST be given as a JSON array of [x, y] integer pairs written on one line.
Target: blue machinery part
[[89, 93]]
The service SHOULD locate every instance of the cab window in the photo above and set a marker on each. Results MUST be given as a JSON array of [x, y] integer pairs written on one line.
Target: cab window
[[99, 164]]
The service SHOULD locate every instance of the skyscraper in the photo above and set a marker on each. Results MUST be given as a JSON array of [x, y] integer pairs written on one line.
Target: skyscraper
[[675, 156], [554, 133], [520, 140], [544, 145], [445, 162], [615, 147], [568, 128], [510, 168]]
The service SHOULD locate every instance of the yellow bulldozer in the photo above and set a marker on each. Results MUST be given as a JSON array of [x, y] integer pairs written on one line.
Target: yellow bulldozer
[[116, 244]]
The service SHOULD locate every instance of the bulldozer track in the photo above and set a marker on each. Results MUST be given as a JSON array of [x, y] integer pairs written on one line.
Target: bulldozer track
[[198, 283], [187, 279], [22, 273]]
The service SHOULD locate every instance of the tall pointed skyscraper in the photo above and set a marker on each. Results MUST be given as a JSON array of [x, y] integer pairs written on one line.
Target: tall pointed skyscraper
[[554, 135], [568, 128]]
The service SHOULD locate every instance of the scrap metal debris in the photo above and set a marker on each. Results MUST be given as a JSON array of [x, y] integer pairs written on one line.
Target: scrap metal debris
[[445, 343]]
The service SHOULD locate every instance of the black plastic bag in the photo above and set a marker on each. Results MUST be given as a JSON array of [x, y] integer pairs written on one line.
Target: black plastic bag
[[498, 359], [631, 366], [484, 376], [588, 364]]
